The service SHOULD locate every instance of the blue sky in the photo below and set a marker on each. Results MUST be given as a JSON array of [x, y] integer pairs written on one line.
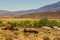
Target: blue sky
[[15, 5]]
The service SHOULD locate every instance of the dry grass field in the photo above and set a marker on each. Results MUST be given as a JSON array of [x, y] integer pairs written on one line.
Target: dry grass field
[[17, 19], [43, 34]]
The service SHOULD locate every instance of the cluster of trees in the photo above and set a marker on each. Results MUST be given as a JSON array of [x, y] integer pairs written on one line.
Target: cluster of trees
[[26, 23]]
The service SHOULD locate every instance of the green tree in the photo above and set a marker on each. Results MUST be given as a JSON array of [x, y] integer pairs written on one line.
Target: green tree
[[58, 23], [37, 24], [52, 23], [42, 22]]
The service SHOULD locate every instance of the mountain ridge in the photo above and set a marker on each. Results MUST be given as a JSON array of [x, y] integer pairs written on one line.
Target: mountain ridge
[[48, 8]]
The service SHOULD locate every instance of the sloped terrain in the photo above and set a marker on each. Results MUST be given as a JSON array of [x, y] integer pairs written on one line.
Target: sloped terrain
[[49, 15]]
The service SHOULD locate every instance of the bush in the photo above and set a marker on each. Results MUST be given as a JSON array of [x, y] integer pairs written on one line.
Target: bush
[[58, 23], [37, 24], [44, 22], [52, 23], [13, 24], [25, 23]]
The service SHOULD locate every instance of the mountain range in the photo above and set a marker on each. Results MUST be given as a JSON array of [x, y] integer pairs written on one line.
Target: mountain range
[[48, 9]]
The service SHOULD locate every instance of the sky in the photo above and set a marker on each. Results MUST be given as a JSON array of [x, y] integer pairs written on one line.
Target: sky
[[15, 5]]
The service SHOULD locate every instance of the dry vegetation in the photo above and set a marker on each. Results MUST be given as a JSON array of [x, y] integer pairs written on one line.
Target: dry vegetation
[[44, 34]]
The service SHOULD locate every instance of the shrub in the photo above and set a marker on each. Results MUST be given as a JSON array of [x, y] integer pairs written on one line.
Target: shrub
[[25, 23], [58, 24], [37, 24], [52, 23], [13, 24], [43, 22]]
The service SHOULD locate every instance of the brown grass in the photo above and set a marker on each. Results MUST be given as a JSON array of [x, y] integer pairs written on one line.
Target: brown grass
[[19, 35]]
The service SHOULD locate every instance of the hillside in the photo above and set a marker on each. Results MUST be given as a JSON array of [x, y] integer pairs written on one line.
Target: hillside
[[50, 15], [50, 8], [36, 15]]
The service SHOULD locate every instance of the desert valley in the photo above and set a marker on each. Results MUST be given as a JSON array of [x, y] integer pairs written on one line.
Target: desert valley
[[36, 24]]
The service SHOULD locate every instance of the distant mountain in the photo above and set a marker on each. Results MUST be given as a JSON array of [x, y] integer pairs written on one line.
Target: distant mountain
[[48, 8], [4, 11], [23, 12]]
